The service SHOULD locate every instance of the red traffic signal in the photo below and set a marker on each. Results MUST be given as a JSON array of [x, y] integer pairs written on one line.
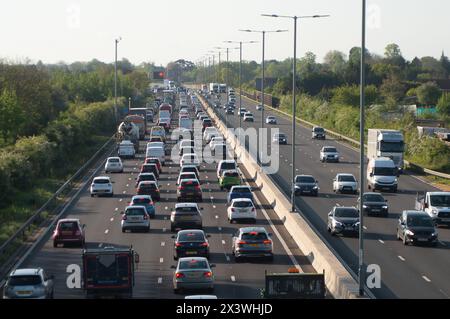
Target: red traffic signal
[[158, 75]]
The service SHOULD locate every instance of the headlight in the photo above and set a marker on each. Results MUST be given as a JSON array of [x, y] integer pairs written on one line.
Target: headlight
[[435, 234], [316, 187], [434, 212], [410, 233], [336, 223], [365, 206], [396, 180], [385, 207], [357, 224]]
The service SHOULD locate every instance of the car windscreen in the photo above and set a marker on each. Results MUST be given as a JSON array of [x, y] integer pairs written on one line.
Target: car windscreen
[[318, 130], [242, 204], [147, 177], [346, 213], [241, 190], [24, 280], [373, 198], [346, 178], [134, 212], [101, 181], [440, 200], [419, 221], [330, 150], [193, 264], [385, 171], [191, 236], [305, 180], [254, 236], [150, 186], [189, 175]]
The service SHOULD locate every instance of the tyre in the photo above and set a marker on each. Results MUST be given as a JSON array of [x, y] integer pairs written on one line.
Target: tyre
[[92, 195], [231, 221], [237, 259], [123, 230], [172, 229], [55, 244], [176, 291]]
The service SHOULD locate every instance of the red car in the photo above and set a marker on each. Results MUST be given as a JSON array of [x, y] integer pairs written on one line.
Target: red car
[[69, 231], [154, 160]]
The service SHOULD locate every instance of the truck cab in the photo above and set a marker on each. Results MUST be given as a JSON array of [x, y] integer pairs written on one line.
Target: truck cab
[[386, 143], [436, 205], [382, 174], [109, 271]]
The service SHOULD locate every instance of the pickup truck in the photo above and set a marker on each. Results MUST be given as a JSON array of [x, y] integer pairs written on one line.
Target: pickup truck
[[436, 205]]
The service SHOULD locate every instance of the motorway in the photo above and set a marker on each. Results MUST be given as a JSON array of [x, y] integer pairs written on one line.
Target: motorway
[[406, 272], [154, 275]]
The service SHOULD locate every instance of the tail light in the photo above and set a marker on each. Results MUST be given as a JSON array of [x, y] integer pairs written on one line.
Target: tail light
[[180, 188], [205, 244], [151, 203], [178, 245], [207, 274], [233, 210], [242, 242], [253, 209], [145, 217], [197, 187], [78, 233], [124, 217], [179, 275], [267, 242]]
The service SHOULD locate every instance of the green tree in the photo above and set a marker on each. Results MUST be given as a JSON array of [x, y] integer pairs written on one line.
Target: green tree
[[443, 106], [392, 51], [11, 115], [428, 93], [392, 90]]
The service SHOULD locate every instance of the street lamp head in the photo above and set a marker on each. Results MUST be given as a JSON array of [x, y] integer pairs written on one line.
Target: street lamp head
[[270, 15], [282, 31], [246, 30]]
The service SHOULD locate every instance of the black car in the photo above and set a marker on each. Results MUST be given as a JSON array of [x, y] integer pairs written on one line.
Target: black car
[[416, 227], [150, 168], [306, 184], [189, 189], [375, 204], [230, 111], [149, 188], [343, 220], [191, 242], [279, 138]]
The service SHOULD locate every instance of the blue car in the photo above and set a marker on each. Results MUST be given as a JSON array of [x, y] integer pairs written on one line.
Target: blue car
[[146, 201], [239, 192]]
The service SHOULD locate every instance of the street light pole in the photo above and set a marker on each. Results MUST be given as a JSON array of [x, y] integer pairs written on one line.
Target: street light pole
[[361, 158], [294, 110], [116, 41]]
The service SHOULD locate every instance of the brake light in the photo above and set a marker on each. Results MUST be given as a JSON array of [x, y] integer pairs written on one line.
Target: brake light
[[207, 274], [178, 245], [233, 210], [151, 203], [242, 242], [253, 209], [197, 187], [179, 275], [124, 217], [180, 188], [205, 244], [77, 233], [145, 217], [267, 242]]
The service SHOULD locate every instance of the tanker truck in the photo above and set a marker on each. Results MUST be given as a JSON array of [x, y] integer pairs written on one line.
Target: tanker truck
[[128, 131]]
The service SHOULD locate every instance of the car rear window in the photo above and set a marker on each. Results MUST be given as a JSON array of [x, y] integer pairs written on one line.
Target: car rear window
[[191, 236], [143, 200], [134, 212], [242, 190], [189, 183], [68, 226], [114, 160], [186, 210], [228, 166], [193, 264], [346, 213], [24, 280], [231, 174], [101, 181], [242, 204], [346, 178], [254, 236], [148, 186], [373, 198]]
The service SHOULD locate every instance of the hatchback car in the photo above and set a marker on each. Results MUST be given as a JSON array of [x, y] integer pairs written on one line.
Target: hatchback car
[[135, 218], [343, 183], [329, 154], [279, 138], [186, 216], [146, 201], [343, 220], [375, 204], [189, 189], [239, 192], [190, 169], [416, 227], [242, 111], [193, 273], [101, 185], [271, 120], [69, 231], [252, 242], [146, 177], [191, 242], [149, 188], [154, 160], [241, 209], [306, 184], [259, 107], [29, 283], [113, 165], [229, 178]]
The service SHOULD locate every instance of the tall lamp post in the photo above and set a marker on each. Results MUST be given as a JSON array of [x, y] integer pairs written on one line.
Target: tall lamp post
[[263, 32], [294, 76], [116, 41], [240, 79]]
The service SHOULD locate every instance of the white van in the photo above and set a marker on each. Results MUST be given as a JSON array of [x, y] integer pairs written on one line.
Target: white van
[[158, 152], [225, 165], [126, 149], [382, 174]]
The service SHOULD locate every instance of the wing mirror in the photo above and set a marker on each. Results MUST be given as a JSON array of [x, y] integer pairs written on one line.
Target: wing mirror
[[136, 258]]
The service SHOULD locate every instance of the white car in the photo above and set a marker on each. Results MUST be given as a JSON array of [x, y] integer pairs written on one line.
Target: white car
[[248, 117], [114, 165], [241, 208], [190, 159], [208, 130], [211, 135], [101, 185], [271, 120], [259, 107], [215, 141], [345, 183]]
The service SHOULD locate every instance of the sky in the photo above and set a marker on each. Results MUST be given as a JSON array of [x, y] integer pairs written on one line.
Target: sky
[[163, 31]]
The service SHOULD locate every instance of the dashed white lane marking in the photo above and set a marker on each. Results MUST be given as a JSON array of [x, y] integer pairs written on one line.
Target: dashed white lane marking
[[112, 219], [107, 231], [381, 241], [227, 258], [128, 185], [164, 230], [124, 192], [160, 280], [166, 208], [401, 258], [120, 199], [161, 260], [129, 178], [217, 216], [214, 206], [116, 209], [365, 228], [223, 242], [163, 243], [426, 278], [233, 278]]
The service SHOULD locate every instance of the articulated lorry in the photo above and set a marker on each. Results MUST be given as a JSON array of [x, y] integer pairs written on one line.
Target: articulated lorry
[[213, 88], [386, 143], [140, 122], [128, 131]]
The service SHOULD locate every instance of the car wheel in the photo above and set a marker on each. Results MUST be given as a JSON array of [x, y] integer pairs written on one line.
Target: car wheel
[[123, 230], [237, 259], [172, 229], [92, 195], [55, 244], [176, 291]]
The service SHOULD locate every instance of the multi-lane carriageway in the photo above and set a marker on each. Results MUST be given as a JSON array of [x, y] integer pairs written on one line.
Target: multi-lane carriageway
[[154, 274], [406, 272]]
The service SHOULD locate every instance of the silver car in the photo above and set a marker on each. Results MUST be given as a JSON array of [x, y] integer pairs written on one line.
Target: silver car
[[186, 216], [252, 242], [193, 273], [135, 218], [29, 283], [345, 183], [114, 165], [329, 154]]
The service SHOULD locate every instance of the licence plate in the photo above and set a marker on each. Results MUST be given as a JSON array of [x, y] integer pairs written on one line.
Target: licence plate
[[66, 233], [376, 210], [24, 292], [348, 228], [191, 252], [254, 245], [445, 220], [422, 239]]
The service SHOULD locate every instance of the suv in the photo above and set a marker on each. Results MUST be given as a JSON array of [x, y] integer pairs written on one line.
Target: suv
[[252, 242], [241, 209], [318, 132], [343, 220], [306, 184], [329, 154], [186, 216], [101, 185], [135, 217], [345, 183], [189, 189], [416, 227], [30, 283], [69, 231]]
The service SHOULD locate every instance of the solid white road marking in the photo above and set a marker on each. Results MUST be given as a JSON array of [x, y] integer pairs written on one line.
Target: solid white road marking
[[426, 278], [401, 258], [214, 206], [166, 208], [365, 228]]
